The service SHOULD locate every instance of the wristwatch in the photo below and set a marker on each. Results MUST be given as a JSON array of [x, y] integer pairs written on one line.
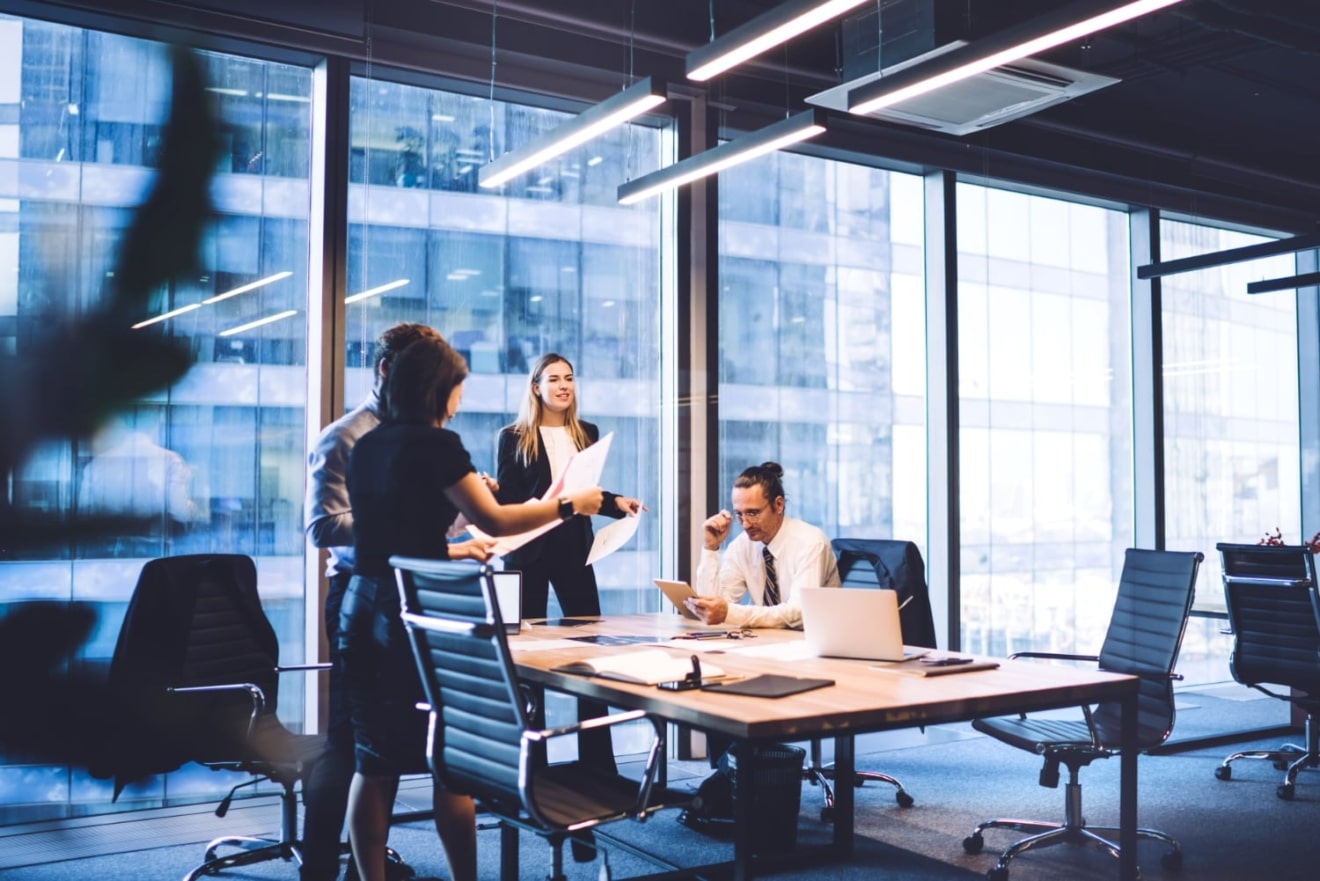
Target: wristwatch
[[565, 508]]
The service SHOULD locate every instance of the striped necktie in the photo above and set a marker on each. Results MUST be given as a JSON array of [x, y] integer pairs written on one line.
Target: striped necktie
[[771, 597]]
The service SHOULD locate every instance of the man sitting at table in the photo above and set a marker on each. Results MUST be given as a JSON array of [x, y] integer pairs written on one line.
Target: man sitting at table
[[774, 558]]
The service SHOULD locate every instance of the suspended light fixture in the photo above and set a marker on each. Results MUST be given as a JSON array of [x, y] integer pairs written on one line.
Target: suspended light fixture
[[1267, 285], [633, 101], [766, 31], [1271, 248], [773, 137], [1052, 29]]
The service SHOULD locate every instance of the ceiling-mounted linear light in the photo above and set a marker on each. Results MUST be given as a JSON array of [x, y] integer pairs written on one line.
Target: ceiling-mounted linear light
[[767, 140], [1052, 29], [269, 319], [633, 101], [766, 31], [241, 289], [377, 290], [1232, 255], [1265, 286]]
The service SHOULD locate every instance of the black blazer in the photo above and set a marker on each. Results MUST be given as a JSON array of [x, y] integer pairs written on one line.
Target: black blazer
[[519, 482]]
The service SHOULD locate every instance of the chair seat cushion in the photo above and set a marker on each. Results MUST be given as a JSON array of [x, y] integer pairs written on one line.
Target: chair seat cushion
[[569, 793], [275, 751], [1040, 735]]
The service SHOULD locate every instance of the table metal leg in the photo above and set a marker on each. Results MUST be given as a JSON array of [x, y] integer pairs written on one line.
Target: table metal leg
[[844, 798], [508, 853], [745, 798], [1127, 811]]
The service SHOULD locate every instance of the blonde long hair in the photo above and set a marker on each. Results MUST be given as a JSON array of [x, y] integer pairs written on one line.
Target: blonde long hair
[[530, 412]]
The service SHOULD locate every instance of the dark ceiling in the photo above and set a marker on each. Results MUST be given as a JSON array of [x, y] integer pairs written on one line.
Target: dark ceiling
[[1217, 112], [1219, 100]]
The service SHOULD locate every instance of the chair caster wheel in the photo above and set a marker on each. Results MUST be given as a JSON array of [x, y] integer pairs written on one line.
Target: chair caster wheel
[[827, 814], [904, 800], [1172, 861], [974, 843], [1286, 792], [1224, 772], [998, 873], [1279, 765]]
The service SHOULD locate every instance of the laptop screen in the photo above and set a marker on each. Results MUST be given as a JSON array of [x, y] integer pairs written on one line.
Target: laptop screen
[[508, 595]]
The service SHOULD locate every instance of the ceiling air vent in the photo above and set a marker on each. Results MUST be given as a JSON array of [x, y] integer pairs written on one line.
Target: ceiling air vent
[[979, 102]]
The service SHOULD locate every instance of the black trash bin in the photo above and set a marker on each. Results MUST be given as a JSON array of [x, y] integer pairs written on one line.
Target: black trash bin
[[776, 769]]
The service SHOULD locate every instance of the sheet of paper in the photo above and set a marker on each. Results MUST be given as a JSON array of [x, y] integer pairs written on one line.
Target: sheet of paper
[[610, 538], [532, 644], [795, 650], [583, 471]]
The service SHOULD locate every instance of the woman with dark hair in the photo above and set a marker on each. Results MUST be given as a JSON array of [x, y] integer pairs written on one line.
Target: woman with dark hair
[[408, 480]]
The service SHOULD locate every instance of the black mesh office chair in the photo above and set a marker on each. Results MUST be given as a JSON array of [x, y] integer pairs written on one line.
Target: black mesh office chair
[[1274, 611], [1145, 632], [890, 565], [482, 742], [197, 664]]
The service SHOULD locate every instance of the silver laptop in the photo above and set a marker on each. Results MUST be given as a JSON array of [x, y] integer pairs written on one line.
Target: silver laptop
[[508, 596], [853, 622]]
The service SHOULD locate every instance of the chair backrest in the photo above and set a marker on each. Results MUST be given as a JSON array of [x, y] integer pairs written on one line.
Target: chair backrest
[[193, 620], [457, 636], [1155, 593], [1272, 607], [893, 565]]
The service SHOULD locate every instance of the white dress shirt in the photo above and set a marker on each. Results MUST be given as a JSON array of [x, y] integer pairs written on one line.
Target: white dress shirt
[[803, 558]]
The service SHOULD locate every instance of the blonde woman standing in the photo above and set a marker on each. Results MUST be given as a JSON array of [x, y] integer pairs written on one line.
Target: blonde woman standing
[[532, 454]]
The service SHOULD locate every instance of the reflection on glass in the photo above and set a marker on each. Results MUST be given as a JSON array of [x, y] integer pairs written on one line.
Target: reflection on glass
[[548, 262], [1045, 405], [1231, 443], [215, 462], [818, 302]]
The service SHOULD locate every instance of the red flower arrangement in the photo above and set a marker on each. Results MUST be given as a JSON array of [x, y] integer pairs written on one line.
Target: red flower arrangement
[[1275, 539]]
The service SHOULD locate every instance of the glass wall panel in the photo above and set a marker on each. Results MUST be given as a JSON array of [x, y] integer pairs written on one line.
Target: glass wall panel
[[1046, 427], [821, 340], [215, 462], [1231, 443], [548, 263]]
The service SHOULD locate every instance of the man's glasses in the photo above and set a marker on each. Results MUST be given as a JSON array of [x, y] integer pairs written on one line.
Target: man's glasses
[[751, 515]]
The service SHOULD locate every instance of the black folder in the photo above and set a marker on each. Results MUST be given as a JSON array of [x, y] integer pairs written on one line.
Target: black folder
[[768, 685]]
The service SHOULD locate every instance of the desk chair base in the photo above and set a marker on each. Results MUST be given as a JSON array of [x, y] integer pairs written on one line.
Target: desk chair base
[[820, 774], [1073, 830], [1289, 758], [288, 847], [255, 850]]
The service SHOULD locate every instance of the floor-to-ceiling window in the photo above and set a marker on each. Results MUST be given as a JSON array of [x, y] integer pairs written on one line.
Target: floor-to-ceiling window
[[215, 462], [547, 263], [1046, 425], [822, 340], [1231, 445]]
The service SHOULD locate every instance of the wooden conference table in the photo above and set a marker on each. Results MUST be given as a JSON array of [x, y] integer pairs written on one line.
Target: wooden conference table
[[866, 697]]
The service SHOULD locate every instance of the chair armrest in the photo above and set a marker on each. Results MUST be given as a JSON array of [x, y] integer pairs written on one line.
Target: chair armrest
[[253, 691], [1056, 656], [585, 725], [288, 668]]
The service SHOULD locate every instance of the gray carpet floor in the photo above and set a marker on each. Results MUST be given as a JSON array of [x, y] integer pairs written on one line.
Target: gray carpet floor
[[1229, 830]]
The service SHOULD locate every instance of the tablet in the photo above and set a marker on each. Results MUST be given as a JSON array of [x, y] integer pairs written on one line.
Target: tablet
[[678, 591]]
